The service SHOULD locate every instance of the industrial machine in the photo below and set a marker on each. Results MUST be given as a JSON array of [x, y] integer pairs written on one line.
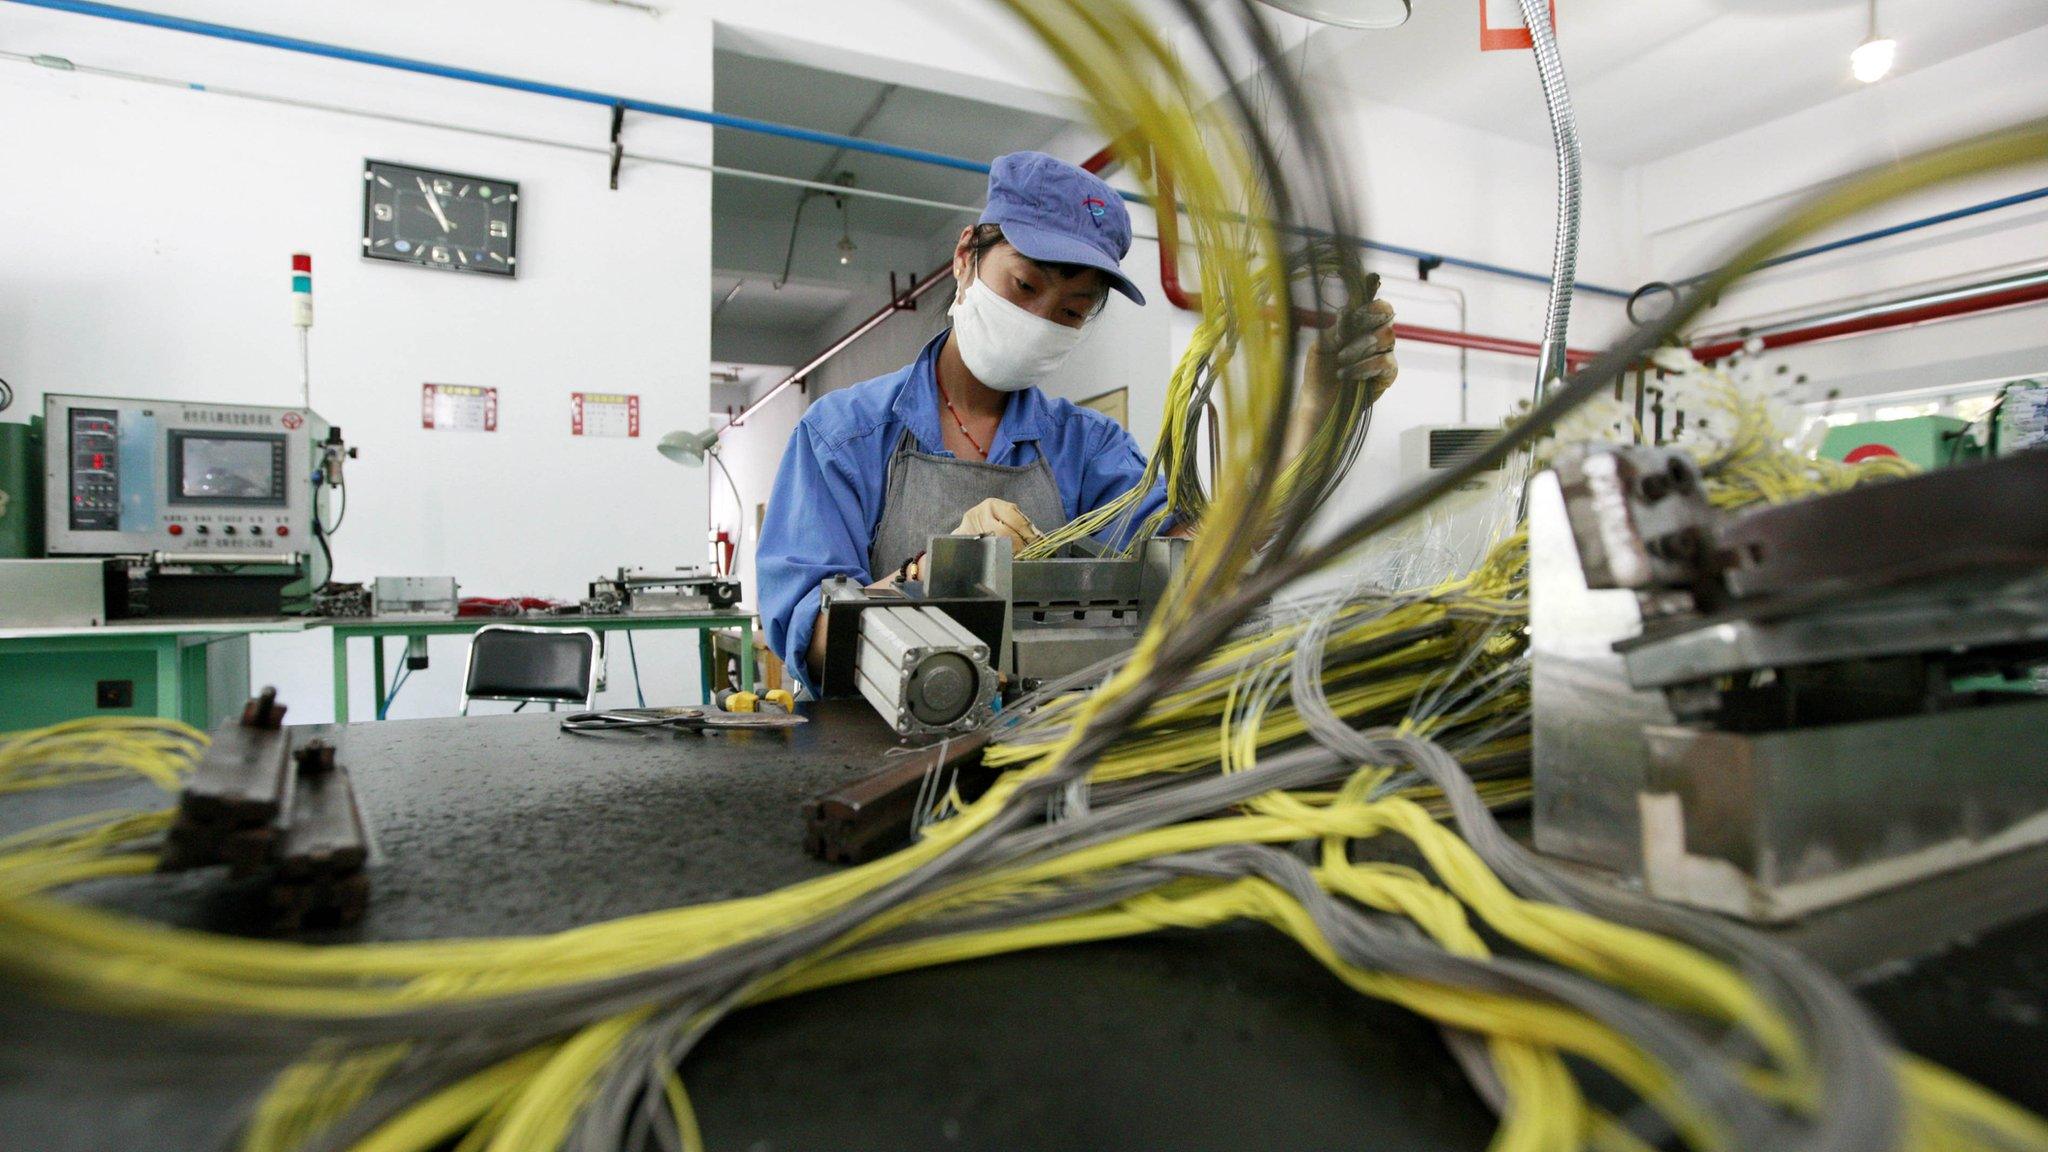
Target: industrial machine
[[1032, 621], [661, 590], [1464, 524], [1777, 711], [921, 670], [436, 597], [1926, 442], [52, 593], [21, 490], [2021, 422], [213, 505]]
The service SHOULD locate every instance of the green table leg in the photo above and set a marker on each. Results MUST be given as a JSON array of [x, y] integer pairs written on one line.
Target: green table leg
[[170, 677], [340, 677], [747, 655], [377, 674], [707, 655]]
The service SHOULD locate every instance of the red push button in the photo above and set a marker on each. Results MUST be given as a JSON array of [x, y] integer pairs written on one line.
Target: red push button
[[177, 529], [283, 530]]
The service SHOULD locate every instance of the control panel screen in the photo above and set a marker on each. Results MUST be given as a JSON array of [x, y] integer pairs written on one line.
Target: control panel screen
[[95, 470], [227, 468]]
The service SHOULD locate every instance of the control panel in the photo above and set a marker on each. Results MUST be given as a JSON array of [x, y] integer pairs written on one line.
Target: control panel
[[139, 476]]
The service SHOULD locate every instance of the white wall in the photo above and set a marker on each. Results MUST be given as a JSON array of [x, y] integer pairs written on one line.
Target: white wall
[[971, 50], [891, 345], [863, 284], [1700, 201], [753, 452], [1429, 184], [145, 235]]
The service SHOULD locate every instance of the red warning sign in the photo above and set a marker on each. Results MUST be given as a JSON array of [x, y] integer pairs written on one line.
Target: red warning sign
[[1501, 27], [604, 414], [458, 408]]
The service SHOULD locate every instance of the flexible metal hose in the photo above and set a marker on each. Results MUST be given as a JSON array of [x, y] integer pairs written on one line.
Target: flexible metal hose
[[1564, 132]]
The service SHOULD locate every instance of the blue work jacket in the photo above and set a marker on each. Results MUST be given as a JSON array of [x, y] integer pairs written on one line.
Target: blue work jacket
[[828, 492]]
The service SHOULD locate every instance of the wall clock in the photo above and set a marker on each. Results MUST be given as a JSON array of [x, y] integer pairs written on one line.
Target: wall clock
[[440, 219]]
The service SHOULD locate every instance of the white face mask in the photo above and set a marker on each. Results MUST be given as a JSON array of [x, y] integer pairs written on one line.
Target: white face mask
[[1007, 347]]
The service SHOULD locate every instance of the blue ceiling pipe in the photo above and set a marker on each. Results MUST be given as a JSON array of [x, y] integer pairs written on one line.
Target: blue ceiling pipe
[[654, 108], [499, 80], [1896, 229]]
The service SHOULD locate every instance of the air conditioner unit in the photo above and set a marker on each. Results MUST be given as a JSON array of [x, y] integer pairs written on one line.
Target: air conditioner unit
[[1437, 447], [1459, 529]]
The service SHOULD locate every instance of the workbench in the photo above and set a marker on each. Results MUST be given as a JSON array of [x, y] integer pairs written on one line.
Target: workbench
[[198, 670], [191, 670], [378, 628], [1227, 1039]]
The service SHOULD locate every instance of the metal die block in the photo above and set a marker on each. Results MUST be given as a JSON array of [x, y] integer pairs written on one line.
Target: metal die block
[[1077, 583], [1772, 826], [1048, 652], [1162, 560], [1638, 516], [922, 671], [1589, 746]]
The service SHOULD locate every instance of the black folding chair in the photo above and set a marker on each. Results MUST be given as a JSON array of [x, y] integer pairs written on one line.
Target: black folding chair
[[532, 666]]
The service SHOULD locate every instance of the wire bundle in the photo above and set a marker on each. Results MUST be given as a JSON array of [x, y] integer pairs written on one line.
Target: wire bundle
[[1324, 734], [110, 748]]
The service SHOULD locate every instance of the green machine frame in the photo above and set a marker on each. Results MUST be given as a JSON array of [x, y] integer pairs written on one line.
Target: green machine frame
[[196, 676], [21, 490], [1928, 442]]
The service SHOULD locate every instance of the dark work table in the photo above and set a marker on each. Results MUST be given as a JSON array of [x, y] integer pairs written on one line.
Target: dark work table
[[1227, 1039]]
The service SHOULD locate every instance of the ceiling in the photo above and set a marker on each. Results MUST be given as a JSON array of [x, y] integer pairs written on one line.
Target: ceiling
[[735, 385], [1652, 79], [752, 220], [759, 304]]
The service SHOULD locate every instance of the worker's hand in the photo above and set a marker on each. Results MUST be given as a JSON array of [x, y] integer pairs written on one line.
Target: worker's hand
[[1356, 352], [993, 517]]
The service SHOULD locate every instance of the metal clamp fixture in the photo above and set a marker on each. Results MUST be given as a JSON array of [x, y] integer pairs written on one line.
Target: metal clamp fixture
[[923, 672], [1744, 709]]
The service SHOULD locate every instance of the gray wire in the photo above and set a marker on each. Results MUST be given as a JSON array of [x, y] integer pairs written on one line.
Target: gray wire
[[1861, 1109]]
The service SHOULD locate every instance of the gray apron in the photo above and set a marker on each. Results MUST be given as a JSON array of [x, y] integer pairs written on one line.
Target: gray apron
[[926, 496]]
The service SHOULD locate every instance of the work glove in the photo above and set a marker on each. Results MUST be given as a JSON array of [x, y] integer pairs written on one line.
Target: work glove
[[993, 517], [1356, 352]]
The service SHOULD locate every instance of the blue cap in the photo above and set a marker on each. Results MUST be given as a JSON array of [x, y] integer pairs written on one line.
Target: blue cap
[[1056, 213]]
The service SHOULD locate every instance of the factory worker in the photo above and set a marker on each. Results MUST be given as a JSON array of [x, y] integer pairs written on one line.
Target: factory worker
[[962, 440]]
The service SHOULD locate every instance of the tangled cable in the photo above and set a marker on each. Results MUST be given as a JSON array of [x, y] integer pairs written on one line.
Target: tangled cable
[[1182, 786]]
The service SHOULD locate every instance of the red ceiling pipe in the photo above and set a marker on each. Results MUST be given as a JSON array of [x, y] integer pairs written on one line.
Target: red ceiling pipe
[[1169, 282], [1878, 322], [1169, 257], [1574, 357]]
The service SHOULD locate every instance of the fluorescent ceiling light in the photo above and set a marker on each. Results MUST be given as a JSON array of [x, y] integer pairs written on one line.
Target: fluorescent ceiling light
[[1872, 59]]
